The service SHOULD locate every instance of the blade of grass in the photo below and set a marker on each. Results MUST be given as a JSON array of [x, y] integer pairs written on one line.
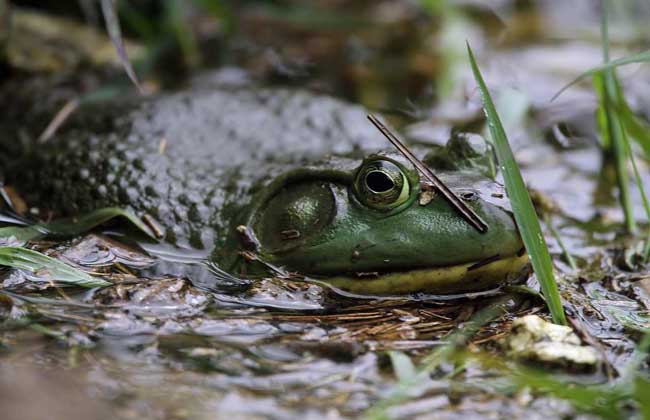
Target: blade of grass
[[73, 227], [402, 366], [616, 131], [567, 256], [637, 129], [115, 34], [35, 262], [630, 126], [522, 206], [639, 183], [642, 57], [599, 400]]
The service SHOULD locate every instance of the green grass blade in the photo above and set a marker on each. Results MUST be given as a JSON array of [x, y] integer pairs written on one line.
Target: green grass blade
[[582, 397], [644, 198], [21, 233], [611, 96], [73, 227], [35, 262], [402, 366], [617, 136], [115, 34], [567, 255], [642, 57], [522, 207], [642, 395], [635, 127]]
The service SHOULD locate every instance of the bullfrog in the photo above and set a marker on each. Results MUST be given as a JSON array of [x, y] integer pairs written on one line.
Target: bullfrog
[[298, 179]]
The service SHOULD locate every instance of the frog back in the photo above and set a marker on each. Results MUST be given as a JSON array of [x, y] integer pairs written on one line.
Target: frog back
[[189, 160]]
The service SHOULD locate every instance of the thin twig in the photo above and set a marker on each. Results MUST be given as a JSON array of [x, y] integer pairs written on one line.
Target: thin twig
[[59, 118], [469, 214]]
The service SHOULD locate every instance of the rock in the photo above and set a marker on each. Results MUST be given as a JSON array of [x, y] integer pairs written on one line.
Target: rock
[[534, 339]]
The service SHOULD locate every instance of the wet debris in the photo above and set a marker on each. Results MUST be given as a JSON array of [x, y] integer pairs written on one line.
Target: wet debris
[[280, 293], [93, 254], [534, 339], [631, 257], [157, 297], [100, 251]]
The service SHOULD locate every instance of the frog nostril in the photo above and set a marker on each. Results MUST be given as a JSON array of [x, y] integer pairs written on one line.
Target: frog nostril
[[469, 196]]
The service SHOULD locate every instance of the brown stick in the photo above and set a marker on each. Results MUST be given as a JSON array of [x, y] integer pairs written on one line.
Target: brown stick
[[468, 214]]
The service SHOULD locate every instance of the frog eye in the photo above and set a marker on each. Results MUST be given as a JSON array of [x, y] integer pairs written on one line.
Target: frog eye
[[381, 184]]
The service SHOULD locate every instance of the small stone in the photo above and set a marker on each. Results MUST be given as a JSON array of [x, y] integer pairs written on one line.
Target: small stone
[[535, 339]]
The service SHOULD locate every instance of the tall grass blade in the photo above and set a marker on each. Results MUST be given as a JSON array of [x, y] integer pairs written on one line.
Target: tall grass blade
[[635, 127], [644, 198], [522, 206], [642, 57], [115, 34], [402, 366], [609, 99], [567, 255], [37, 263], [614, 131]]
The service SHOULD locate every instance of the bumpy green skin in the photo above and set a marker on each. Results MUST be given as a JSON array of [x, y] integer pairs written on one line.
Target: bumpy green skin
[[204, 161], [189, 160]]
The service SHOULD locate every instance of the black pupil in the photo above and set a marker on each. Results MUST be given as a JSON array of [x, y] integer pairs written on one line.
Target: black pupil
[[379, 182]]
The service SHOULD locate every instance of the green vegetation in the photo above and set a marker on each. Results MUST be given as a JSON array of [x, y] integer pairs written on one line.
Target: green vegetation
[[617, 124], [48, 268], [411, 379], [522, 206], [613, 133], [57, 271], [71, 227], [565, 251]]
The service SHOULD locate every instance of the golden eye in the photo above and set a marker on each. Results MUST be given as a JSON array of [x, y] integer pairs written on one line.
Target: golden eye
[[381, 184]]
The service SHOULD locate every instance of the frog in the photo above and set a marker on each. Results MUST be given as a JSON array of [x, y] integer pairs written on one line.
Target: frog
[[263, 179]]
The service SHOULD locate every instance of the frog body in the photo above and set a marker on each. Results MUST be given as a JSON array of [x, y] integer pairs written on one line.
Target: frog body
[[305, 174]]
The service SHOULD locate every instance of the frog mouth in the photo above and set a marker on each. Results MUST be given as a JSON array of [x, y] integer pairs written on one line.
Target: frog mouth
[[468, 277]]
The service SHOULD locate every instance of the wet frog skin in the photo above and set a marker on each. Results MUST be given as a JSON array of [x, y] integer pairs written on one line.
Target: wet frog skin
[[304, 173]]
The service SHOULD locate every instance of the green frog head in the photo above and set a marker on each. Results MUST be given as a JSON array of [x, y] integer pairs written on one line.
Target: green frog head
[[373, 227]]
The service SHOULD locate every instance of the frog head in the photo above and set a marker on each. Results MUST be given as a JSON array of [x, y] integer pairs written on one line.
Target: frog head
[[372, 227]]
